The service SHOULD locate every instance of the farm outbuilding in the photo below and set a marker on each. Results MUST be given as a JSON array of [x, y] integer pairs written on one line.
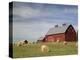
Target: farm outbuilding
[[40, 40], [65, 32]]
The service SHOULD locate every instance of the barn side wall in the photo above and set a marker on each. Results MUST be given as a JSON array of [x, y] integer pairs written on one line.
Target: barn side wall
[[70, 34], [55, 37]]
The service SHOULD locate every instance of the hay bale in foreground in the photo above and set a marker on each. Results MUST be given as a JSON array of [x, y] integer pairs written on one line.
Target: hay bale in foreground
[[44, 48]]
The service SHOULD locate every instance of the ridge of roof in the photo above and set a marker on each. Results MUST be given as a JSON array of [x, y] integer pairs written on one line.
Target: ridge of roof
[[59, 29]]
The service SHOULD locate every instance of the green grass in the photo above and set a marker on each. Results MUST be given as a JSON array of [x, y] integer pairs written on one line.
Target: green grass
[[34, 50]]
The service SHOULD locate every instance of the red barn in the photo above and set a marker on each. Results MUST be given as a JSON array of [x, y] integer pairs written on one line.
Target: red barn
[[62, 33]]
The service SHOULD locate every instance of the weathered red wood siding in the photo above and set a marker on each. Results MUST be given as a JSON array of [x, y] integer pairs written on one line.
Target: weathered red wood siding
[[55, 37], [70, 34]]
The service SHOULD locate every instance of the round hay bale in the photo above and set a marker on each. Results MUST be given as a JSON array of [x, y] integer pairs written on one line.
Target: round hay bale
[[44, 48], [64, 43], [20, 43]]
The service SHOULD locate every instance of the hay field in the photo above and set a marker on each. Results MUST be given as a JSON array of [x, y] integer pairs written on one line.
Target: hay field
[[34, 50]]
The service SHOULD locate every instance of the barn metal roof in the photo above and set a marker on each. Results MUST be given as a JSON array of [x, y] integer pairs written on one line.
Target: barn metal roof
[[41, 38], [59, 29]]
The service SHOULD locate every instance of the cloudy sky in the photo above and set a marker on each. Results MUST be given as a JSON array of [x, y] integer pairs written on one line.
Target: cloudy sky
[[33, 20]]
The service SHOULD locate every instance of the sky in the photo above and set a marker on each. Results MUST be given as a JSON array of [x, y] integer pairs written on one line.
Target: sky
[[33, 20]]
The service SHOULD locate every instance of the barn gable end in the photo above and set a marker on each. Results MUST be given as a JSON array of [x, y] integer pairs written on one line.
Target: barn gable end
[[70, 34]]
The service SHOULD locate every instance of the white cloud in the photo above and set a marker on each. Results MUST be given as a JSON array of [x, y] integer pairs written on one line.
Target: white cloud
[[26, 12]]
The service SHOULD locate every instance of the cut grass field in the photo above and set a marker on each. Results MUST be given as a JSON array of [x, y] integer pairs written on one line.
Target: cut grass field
[[34, 50]]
